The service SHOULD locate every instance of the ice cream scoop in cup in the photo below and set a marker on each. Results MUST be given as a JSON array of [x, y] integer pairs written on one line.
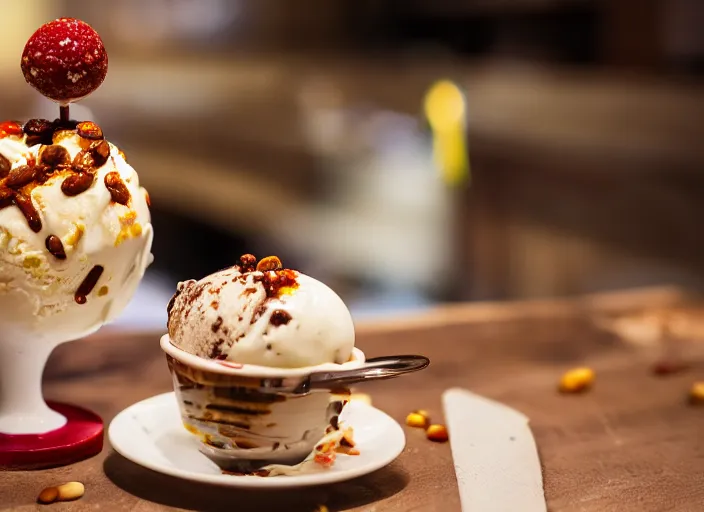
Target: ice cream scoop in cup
[[260, 356]]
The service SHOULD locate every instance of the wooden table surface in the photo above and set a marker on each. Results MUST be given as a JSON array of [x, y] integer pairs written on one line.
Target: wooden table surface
[[631, 444]]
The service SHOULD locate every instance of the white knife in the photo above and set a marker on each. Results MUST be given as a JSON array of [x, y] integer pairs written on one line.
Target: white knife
[[496, 460]]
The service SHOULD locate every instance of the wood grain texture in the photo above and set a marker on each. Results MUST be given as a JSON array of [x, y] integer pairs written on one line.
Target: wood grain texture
[[631, 444]]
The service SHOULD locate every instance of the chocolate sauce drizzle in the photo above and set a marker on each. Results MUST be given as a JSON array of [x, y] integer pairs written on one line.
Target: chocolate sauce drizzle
[[88, 284]]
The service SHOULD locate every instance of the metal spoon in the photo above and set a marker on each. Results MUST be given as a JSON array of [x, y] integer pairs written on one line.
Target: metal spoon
[[376, 368]]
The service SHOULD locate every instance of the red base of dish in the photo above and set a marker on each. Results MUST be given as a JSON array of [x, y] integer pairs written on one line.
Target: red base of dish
[[80, 438]]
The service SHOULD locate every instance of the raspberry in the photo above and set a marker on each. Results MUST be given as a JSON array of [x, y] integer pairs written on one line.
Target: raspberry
[[65, 60]]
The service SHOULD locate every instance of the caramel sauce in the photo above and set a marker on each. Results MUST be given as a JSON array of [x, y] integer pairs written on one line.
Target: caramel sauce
[[276, 280]]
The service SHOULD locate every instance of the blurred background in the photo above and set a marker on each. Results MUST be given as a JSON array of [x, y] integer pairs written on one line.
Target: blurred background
[[407, 152]]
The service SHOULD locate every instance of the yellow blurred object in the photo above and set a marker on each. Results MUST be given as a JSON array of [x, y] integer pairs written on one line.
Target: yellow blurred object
[[577, 380], [437, 433], [416, 420], [446, 110], [696, 393]]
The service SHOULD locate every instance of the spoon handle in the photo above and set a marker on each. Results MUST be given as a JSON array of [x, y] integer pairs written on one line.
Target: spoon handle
[[376, 368]]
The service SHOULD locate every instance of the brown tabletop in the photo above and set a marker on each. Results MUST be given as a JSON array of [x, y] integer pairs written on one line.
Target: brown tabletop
[[632, 443]]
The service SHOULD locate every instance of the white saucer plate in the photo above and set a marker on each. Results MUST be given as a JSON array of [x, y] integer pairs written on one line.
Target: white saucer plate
[[150, 433]]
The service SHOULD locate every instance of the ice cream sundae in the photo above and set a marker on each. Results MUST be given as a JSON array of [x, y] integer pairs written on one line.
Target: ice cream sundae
[[75, 229]]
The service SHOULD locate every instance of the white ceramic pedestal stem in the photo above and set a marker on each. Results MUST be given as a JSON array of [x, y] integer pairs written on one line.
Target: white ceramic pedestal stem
[[22, 406]]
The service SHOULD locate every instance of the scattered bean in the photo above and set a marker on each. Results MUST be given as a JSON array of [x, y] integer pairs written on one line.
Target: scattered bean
[[577, 380], [696, 393], [437, 433], [65, 492], [417, 420]]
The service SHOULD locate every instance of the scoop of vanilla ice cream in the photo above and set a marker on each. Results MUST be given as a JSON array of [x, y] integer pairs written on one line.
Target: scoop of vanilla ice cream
[[38, 291], [234, 315]]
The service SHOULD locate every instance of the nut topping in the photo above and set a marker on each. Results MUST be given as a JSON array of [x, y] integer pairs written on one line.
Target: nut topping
[[54, 155], [274, 277], [89, 130], [247, 263], [20, 176], [117, 188], [77, 183], [51, 157], [275, 281], [39, 131], [38, 127], [43, 172], [269, 263], [83, 162], [5, 166], [100, 151], [6, 196]]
